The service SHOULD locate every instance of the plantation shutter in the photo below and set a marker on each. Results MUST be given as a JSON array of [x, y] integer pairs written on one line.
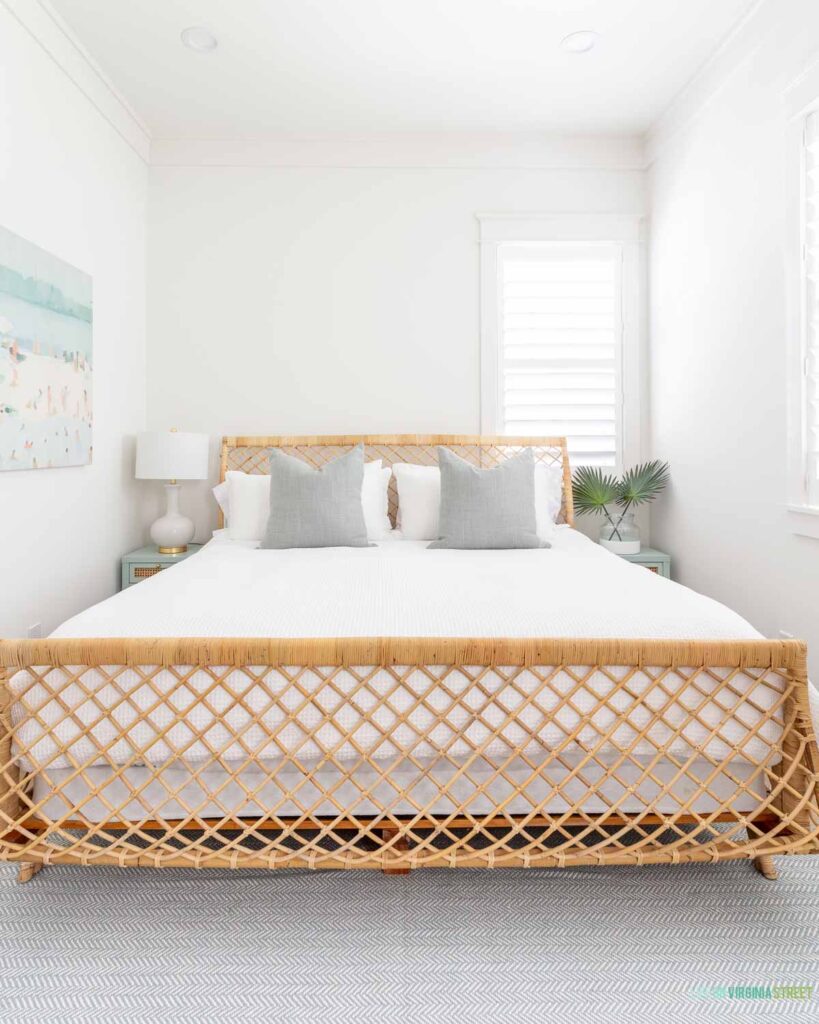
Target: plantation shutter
[[811, 291], [560, 321]]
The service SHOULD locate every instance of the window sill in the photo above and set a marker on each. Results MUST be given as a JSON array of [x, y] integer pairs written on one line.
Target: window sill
[[804, 520]]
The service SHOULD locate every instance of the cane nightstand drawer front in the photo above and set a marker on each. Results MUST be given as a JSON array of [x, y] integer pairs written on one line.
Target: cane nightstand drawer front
[[140, 572], [146, 562]]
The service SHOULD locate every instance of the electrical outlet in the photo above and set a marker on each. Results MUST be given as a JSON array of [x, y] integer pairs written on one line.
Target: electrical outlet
[[785, 635]]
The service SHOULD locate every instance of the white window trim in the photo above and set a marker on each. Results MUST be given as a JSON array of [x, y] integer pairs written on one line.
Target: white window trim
[[801, 98], [628, 232]]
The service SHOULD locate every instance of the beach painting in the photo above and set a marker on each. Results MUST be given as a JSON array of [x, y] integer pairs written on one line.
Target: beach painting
[[45, 359]]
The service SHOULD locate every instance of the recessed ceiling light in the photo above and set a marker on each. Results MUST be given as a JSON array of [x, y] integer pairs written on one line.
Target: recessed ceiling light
[[199, 39], [579, 42]]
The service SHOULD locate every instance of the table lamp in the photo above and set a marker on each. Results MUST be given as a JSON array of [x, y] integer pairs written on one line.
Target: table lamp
[[172, 456]]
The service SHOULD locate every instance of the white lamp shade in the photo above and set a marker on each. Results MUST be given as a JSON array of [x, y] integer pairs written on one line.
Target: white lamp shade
[[171, 455]]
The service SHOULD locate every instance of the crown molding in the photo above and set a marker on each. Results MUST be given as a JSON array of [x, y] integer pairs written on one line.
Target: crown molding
[[50, 32], [454, 150], [422, 150], [800, 94], [738, 46], [509, 150]]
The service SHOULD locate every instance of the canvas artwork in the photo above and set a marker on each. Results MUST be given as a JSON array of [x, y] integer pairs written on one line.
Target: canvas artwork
[[45, 359]]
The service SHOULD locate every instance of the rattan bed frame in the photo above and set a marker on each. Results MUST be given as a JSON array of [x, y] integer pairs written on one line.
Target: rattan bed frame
[[780, 787]]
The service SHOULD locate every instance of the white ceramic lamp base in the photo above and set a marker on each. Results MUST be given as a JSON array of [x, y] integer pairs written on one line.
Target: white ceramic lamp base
[[172, 532]]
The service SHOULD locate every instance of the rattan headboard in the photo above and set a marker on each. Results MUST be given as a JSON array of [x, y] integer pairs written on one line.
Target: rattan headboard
[[251, 454]]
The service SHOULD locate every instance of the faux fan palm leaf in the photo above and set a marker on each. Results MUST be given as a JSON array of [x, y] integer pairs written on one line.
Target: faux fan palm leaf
[[593, 489], [642, 484]]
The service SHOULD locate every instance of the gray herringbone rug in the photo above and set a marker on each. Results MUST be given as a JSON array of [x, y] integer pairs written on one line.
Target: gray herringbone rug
[[619, 945]]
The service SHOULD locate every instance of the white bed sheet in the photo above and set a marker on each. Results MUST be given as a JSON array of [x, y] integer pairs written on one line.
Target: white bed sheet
[[400, 588]]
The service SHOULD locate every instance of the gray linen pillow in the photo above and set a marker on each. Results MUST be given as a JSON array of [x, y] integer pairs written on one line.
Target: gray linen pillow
[[316, 508], [487, 508]]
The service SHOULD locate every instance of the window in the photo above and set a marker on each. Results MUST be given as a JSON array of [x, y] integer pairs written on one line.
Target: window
[[559, 315], [802, 285], [560, 324], [801, 208], [810, 311]]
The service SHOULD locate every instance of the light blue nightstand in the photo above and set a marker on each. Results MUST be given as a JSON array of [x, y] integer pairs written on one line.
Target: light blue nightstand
[[656, 561], [144, 562]]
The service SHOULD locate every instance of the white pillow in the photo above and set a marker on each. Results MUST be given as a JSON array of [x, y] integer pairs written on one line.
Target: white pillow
[[220, 493], [375, 500], [548, 498], [248, 505], [244, 499], [419, 499]]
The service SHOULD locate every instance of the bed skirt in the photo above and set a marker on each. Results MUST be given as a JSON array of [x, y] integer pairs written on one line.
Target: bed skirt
[[501, 775]]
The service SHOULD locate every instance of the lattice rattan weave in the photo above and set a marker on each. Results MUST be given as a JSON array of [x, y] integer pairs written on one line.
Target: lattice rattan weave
[[84, 698]]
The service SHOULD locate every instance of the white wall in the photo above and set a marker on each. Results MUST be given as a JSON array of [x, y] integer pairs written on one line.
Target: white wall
[[333, 299], [718, 327], [70, 183]]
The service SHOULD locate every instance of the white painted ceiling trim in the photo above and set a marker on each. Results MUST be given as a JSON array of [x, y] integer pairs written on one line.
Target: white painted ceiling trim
[[423, 150], [49, 30], [365, 67], [502, 150], [739, 45], [445, 149]]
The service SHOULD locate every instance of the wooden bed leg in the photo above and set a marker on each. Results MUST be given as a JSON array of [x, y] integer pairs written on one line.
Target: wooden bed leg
[[401, 846], [26, 871], [766, 867]]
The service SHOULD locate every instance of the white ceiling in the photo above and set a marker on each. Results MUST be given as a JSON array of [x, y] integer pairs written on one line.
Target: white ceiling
[[314, 66]]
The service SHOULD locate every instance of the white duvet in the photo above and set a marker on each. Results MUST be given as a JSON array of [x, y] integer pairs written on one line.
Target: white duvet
[[400, 588]]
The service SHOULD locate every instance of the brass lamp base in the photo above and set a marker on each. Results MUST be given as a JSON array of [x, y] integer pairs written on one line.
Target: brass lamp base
[[173, 551]]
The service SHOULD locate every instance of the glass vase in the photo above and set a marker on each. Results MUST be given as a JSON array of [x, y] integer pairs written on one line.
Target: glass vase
[[620, 534]]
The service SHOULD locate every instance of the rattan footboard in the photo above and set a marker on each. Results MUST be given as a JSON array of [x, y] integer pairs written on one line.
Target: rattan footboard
[[439, 708]]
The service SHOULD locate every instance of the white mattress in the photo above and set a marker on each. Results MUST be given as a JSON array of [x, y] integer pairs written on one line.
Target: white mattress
[[398, 588], [171, 794]]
